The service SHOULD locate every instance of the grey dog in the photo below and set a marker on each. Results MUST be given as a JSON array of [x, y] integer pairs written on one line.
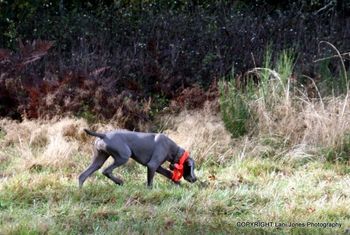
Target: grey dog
[[148, 149]]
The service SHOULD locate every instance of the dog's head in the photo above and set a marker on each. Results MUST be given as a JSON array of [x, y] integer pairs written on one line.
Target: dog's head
[[186, 167], [189, 175]]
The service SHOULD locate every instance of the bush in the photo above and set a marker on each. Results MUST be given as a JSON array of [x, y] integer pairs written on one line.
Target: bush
[[265, 86], [163, 46], [234, 107], [153, 53]]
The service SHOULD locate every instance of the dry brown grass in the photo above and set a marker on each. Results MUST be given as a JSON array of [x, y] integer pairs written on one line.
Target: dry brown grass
[[305, 125], [202, 133], [52, 143], [57, 143], [296, 129]]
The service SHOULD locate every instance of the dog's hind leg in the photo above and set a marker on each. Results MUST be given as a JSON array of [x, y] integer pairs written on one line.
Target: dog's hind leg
[[120, 153], [118, 161], [99, 158]]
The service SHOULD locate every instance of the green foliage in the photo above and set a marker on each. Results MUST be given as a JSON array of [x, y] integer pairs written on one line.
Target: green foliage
[[273, 88], [265, 75], [234, 107], [159, 103], [340, 152], [62, 19], [85, 113], [58, 20], [332, 83], [2, 134], [284, 66]]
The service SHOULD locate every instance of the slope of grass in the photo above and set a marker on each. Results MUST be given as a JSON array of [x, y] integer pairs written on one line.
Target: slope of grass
[[237, 183]]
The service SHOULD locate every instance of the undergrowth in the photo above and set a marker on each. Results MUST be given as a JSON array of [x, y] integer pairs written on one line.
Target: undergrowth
[[39, 191], [271, 101]]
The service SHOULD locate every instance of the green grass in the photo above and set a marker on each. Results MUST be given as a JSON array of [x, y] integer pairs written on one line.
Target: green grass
[[2, 134], [244, 190]]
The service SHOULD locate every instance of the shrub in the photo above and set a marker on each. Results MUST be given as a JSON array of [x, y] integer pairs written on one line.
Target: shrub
[[234, 108], [269, 89]]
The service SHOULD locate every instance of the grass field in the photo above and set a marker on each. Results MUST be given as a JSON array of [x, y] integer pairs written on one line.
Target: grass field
[[250, 179]]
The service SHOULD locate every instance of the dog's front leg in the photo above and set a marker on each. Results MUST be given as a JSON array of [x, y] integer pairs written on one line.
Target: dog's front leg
[[151, 170], [150, 176], [164, 172], [167, 174]]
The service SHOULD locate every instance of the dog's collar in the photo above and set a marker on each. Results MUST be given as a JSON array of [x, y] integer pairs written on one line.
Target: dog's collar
[[179, 167]]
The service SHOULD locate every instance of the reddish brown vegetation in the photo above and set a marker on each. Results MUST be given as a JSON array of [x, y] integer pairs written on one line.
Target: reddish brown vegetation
[[195, 97], [25, 92]]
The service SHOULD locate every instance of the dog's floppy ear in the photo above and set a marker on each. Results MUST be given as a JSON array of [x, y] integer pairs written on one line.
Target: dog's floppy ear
[[189, 170]]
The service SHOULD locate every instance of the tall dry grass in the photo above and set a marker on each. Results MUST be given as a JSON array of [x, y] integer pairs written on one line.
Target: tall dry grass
[[52, 143], [283, 120], [202, 133], [306, 126], [298, 128], [321, 122], [60, 143]]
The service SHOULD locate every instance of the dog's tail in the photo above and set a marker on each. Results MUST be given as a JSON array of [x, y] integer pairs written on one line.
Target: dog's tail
[[99, 135]]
